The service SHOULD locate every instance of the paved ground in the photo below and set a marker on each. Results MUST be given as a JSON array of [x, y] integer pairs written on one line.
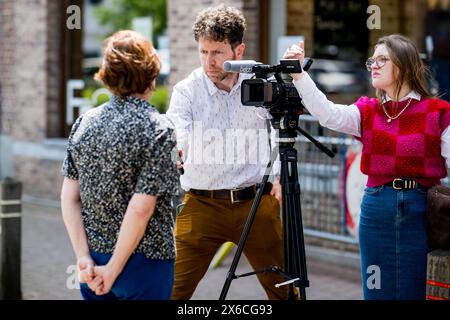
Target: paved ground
[[47, 258]]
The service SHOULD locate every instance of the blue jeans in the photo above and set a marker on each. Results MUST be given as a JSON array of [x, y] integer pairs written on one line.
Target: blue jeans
[[393, 243], [141, 279]]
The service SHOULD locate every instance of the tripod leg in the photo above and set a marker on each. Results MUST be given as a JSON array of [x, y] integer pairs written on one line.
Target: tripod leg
[[295, 258], [286, 223], [264, 249], [248, 224]]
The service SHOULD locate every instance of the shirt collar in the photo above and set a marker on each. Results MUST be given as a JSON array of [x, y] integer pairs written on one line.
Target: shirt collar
[[412, 95], [116, 100]]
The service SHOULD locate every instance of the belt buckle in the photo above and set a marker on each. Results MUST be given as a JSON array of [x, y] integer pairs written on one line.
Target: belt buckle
[[232, 195], [393, 184]]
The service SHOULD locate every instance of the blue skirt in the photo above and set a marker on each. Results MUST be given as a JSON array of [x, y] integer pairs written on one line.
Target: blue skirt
[[393, 243]]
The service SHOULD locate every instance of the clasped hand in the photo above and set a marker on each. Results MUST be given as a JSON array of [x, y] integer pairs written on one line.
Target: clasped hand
[[100, 279]]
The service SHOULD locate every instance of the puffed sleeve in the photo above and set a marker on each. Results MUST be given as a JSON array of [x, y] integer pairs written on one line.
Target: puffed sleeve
[[69, 167]]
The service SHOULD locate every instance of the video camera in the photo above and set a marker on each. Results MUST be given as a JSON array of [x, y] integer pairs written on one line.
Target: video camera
[[279, 95]]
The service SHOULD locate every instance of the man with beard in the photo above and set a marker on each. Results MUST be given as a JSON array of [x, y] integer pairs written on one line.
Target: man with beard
[[220, 192]]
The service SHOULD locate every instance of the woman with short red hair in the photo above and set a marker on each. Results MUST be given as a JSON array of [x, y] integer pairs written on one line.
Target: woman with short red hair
[[119, 179]]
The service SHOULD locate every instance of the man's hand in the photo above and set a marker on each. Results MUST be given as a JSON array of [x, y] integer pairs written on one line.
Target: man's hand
[[180, 162], [276, 190]]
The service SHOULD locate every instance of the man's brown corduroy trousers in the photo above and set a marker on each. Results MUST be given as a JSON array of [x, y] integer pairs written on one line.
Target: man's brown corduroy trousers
[[205, 224]]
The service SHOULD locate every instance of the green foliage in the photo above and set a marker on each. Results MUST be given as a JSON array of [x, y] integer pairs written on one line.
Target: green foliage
[[89, 91], [120, 13], [160, 99]]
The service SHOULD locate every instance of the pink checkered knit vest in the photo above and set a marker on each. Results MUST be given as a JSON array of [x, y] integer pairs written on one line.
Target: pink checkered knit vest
[[407, 147]]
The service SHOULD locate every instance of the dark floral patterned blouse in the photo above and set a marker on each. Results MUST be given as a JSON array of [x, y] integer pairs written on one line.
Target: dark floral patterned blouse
[[116, 150]]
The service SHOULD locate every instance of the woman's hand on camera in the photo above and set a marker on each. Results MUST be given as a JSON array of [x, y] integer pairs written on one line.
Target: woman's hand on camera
[[296, 52]]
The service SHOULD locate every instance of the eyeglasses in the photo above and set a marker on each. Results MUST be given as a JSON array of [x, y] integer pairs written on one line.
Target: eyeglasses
[[379, 61]]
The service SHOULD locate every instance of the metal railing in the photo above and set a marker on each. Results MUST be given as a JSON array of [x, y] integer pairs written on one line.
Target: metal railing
[[322, 181]]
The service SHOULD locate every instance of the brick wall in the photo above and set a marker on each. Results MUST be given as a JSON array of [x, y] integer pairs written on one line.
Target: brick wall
[[415, 14], [407, 17], [31, 73], [24, 79], [397, 16], [300, 21], [30, 87], [183, 48], [7, 33], [390, 12], [55, 76], [250, 9]]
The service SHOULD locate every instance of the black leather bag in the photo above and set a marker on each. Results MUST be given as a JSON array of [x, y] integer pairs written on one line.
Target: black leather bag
[[438, 217]]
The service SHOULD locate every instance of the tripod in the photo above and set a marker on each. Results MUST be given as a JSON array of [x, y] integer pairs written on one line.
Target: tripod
[[294, 270]]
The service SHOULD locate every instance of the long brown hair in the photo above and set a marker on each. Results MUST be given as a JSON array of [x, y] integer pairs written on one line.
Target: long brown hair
[[410, 68]]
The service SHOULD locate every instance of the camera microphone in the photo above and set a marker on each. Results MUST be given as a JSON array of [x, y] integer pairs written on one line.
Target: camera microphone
[[240, 66]]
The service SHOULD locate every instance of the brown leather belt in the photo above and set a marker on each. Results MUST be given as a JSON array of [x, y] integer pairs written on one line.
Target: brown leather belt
[[402, 184], [235, 195]]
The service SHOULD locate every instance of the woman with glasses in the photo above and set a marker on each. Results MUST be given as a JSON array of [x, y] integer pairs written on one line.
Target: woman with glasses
[[406, 149]]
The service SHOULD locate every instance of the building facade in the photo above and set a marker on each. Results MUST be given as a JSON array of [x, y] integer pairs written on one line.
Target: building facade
[[323, 23], [39, 54]]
